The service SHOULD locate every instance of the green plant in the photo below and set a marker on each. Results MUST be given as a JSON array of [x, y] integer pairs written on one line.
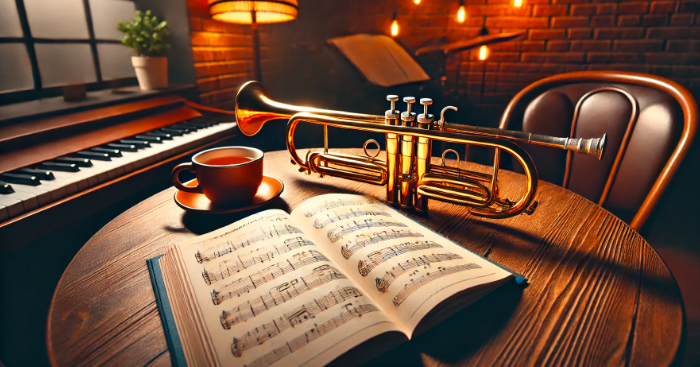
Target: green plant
[[145, 34]]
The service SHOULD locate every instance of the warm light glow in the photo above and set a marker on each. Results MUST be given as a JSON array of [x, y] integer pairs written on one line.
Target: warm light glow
[[394, 28], [416, 1], [461, 14], [483, 53], [239, 11], [518, 3]]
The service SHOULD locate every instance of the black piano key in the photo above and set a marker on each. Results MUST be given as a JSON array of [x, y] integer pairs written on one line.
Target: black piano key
[[60, 166], [23, 179], [42, 175], [94, 155], [124, 147], [174, 132], [110, 152], [138, 143], [80, 162], [151, 139], [183, 126], [6, 188], [199, 125], [162, 135]]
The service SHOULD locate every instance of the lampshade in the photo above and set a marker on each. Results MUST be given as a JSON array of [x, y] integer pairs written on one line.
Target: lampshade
[[239, 11]]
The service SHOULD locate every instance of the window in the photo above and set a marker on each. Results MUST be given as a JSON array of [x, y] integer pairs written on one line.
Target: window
[[47, 44]]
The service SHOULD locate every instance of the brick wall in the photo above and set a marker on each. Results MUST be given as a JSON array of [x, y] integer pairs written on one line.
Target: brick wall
[[223, 55], [657, 37]]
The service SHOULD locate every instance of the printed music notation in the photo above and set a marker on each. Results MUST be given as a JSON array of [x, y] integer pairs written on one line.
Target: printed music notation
[[297, 316], [332, 204], [279, 295], [377, 257], [384, 282], [363, 240], [228, 268], [347, 214], [349, 313], [337, 233], [249, 238], [245, 285], [414, 284]]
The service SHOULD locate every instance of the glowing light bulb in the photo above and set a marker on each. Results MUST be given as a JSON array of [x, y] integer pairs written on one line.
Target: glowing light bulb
[[461, 14], [416, 1], [394, 28], [483, 53], [518, 3]]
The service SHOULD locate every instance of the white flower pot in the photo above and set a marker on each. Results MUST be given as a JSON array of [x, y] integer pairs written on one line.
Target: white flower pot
[[152, 72]]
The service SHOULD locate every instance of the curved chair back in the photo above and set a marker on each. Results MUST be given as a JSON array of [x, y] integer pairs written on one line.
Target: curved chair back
[[650, 122]]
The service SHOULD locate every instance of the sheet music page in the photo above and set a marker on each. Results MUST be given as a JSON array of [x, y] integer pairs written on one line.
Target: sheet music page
[[406, 268], [270, 297]]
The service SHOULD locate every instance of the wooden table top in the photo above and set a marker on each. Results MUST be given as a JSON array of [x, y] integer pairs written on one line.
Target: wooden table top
[[598, 294]]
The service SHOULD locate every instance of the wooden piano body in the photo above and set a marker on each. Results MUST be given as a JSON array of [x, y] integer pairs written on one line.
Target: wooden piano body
[[31, 208]]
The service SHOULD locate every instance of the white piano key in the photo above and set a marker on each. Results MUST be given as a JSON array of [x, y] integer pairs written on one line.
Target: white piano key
[[29, 201], [43, 196], [14, 206]]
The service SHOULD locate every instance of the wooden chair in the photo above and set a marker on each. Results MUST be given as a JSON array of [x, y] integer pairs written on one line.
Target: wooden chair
[[650, 122]]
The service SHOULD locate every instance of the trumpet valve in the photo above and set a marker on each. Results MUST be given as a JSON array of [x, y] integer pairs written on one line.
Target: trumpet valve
[[425, 119], [408, 117]]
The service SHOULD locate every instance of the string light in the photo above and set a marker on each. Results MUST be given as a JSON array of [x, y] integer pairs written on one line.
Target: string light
[[518, 3], [462, 13], [418, 1], [483, 53], [394, 26]]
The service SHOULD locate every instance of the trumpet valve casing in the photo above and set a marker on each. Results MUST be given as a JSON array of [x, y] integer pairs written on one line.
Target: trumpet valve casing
[[407, 176], [424, 148], [391, 117]]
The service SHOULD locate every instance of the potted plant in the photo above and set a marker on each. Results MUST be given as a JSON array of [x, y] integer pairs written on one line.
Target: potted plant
[[146, 35]]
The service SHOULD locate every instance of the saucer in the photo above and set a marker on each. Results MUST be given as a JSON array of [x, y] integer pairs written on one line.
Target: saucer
[[270, 188]]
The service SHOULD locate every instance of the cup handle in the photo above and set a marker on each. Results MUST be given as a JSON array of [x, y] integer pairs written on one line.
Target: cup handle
[[176, 180]]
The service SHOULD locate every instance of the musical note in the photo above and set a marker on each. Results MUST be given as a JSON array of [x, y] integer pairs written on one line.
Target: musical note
[[346, 214], [227, 268], [349, 313], [247, 239], [332, 204], [337, 233], [414, 284], [291, 319], [384, 282], [245, 285], [378, 257], [363, 240], [279, 295]]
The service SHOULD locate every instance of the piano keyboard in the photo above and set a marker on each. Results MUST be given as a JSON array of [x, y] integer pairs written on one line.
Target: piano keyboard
[[29, 188]]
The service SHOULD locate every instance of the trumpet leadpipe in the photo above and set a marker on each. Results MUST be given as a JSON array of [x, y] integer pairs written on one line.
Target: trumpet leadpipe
[[594, 147]]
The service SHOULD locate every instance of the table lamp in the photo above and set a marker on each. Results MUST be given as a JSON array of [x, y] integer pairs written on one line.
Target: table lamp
[[254, 12]]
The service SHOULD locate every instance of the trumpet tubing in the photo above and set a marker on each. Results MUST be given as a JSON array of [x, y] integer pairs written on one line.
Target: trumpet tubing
[[408, 173]]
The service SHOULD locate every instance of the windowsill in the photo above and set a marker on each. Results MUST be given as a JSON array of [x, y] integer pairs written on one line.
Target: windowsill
[[48, 107]]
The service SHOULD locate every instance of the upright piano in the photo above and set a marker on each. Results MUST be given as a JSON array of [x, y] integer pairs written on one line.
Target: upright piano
[[59, 168]]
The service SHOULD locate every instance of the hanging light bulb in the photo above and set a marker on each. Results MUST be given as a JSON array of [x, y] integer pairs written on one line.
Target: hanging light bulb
[[418, 1], [394, 28], [461, 13], [518, 3], [483, 53]]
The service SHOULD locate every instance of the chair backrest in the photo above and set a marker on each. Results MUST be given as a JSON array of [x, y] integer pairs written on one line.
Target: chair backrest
[[650, 122]]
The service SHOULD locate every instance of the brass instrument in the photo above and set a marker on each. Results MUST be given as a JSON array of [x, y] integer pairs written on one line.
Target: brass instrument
[[408, 174]]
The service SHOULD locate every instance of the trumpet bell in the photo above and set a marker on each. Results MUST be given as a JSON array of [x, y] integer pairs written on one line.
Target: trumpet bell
[[253, 108]]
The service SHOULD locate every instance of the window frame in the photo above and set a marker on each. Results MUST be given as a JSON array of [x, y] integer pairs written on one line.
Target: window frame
[[38, 91]]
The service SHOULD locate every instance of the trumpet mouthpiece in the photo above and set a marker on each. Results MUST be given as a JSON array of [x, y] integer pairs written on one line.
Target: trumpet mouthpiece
[[594, 147]]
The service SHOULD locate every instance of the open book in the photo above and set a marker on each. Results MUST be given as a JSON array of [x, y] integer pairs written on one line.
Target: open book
[[342, 270]]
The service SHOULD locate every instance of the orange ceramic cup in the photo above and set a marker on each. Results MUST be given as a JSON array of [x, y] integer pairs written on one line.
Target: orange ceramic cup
[[226, 175]]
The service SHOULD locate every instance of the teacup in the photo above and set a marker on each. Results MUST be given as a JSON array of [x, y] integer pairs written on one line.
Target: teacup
[[226, 175]]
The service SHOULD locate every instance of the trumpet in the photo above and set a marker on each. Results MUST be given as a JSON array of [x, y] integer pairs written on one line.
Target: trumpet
[[408, 173]]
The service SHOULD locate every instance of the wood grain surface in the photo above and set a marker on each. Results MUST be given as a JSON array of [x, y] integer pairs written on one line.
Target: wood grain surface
[[598, 294]]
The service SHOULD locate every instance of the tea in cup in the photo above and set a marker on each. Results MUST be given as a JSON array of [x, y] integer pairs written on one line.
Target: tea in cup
[[226, 176]]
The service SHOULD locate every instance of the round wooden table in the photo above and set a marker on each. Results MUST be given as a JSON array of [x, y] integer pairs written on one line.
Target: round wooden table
[[598, 294]]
